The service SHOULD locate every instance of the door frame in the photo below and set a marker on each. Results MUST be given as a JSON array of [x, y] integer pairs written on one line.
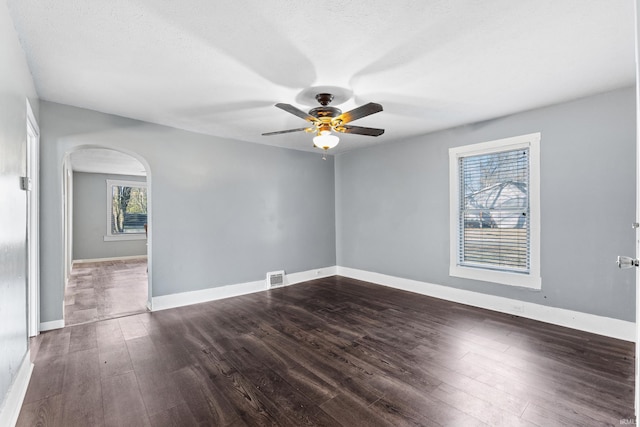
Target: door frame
[[637, 234], [67, 213], [33, 222]]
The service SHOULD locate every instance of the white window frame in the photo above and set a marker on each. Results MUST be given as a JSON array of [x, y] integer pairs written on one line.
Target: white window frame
[[110, 237], [532, 279]]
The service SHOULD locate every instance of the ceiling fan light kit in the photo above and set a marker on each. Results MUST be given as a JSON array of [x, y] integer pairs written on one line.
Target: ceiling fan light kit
[[325, 141], [325, 119]]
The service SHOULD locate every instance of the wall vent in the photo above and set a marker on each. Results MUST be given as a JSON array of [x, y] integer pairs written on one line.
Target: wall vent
[[275, 279]]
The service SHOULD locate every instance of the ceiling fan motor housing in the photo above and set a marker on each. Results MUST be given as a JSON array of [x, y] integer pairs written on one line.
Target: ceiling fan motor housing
[[329, 112], [325, 111]]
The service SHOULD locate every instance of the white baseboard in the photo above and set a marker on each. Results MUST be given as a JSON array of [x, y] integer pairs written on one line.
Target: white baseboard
[[211, 294], [10, 408], [304, 276], [600, 325], [117, 258], [54, 324]]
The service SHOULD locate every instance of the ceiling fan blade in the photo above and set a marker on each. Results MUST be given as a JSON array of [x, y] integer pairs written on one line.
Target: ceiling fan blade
[[359, 112], [296, 112], [284, 131], [359, 130]]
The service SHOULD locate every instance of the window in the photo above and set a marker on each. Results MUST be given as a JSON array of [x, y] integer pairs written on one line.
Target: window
[[126, 210], [495, 211]]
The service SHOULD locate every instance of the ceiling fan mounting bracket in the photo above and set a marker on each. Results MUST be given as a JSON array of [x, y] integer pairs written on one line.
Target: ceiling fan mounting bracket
[[324, 98]]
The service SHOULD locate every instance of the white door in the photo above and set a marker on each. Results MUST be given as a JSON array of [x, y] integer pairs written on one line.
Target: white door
[[628, 262], [33, 235], [637, 377], [637, 371]]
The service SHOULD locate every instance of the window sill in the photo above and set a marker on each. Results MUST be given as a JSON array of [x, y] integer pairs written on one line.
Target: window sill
[[125, 237], [512, 279]]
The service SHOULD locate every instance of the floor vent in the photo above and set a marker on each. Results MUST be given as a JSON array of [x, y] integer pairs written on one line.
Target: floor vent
[[275, 279]]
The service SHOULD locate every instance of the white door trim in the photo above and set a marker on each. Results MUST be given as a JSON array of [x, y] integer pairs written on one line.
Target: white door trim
[[637, 359], [33, 222]]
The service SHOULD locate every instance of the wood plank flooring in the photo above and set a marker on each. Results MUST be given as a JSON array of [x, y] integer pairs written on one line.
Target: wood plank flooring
[[329, 352], [105, 290]]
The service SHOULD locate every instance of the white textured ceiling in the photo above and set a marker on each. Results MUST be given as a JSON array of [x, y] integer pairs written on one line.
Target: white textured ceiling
[[217, 67]]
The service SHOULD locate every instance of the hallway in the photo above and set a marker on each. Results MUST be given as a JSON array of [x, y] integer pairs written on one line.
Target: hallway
[[106, 290]]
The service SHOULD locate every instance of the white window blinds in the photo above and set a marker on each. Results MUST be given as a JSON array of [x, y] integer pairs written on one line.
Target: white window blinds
[[494, 216]]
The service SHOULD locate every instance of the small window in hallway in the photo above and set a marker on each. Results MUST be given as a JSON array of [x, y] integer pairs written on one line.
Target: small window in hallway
[[126, 208]]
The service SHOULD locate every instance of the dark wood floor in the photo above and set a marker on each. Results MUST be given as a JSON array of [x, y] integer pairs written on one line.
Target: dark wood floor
[[329, 352], [105, 290]]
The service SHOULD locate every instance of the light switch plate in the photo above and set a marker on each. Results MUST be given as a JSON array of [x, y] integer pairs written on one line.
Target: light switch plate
[[25, 183]]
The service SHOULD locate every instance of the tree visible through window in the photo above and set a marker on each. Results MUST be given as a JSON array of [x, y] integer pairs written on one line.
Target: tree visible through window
[[128, 207], [494, 210]]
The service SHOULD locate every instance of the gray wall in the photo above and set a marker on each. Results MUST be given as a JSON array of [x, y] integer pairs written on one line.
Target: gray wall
[[258, 208], [89, 219], [222, 212], [15, 86], [392, 204]]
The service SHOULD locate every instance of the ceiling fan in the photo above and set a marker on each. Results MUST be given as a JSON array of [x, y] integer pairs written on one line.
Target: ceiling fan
[[325, 119]]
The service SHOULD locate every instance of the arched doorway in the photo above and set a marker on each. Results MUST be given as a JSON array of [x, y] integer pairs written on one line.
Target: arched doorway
[[106, 204]]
